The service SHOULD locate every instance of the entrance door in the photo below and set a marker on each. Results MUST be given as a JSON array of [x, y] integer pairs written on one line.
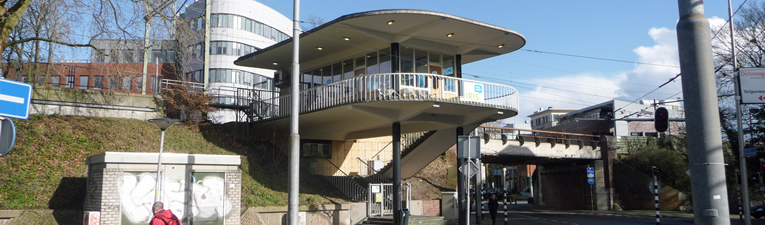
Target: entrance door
[[435, 89]]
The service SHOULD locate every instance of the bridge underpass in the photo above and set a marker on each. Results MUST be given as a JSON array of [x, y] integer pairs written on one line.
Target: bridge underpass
[[560, 180]]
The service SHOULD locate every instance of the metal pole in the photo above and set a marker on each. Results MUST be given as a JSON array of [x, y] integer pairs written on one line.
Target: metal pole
[[158, 187], [462, 190], [710, 199], [467, 183], [741, 157], [478, 191], [504, 205], [656, 199], [294, 195], [396, 173]]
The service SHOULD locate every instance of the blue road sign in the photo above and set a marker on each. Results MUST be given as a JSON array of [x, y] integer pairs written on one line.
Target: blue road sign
[[15, 98], [590, 172], [591, 180], [750, 152]]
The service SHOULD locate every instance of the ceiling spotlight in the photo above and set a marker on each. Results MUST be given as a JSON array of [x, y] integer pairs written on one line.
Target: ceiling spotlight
[[500, 46], [390, 22], [319, 48], [450, 35], [276, 63], [346, 38]]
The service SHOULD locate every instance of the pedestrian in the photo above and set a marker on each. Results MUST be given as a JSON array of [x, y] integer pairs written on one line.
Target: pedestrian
[[162, 216], [493, 205]]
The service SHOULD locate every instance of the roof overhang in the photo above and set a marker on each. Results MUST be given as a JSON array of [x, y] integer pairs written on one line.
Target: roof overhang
[[370, 31]]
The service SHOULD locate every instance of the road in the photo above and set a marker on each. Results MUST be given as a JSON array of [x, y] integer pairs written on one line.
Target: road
[[529, 214]]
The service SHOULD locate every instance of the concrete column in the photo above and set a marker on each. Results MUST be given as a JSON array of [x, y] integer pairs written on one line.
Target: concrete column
[[538, 198], [458, 72], [395, 62], [608, 153], [478, 194]]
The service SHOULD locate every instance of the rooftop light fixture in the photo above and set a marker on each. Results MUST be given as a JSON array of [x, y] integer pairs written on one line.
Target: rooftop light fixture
[[501, 45], [319, 48], [390, 22], [347, 38], [450, 35]]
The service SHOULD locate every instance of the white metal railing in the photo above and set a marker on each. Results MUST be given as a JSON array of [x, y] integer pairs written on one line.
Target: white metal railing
[[397, 86]]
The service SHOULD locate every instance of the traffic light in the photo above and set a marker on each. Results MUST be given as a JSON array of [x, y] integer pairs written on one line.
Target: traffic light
[[655, 170], [756, 178], [738, 177], [661, 119]]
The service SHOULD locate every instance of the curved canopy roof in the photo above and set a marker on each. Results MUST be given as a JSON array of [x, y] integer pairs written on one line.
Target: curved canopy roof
[[360, 33]]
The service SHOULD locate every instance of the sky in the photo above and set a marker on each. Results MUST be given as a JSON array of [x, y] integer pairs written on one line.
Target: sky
[[630, 31]]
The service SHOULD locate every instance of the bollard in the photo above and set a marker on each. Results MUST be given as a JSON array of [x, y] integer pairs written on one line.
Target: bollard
[[504, 205]]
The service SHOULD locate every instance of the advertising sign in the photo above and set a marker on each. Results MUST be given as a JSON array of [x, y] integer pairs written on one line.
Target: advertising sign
[[473, 92], [752, 83]]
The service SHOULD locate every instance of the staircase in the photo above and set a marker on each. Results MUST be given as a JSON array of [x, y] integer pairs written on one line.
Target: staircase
[[409, 146], [349, 187], [424, 152], [423, 220]]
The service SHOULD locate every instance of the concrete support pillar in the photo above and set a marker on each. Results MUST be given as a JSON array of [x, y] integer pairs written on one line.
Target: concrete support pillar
[[608, 153], [536, 187], [478, 194]]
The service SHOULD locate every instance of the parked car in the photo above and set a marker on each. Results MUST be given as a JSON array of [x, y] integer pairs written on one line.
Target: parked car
[[758, 211]]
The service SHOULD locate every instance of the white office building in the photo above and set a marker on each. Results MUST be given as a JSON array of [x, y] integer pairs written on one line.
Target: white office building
[[237, 28]]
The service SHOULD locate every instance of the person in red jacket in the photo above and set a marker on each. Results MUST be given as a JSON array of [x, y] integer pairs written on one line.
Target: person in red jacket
[[162, 216]]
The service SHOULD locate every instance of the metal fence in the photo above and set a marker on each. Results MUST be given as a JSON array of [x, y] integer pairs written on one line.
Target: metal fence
[[395, 87]]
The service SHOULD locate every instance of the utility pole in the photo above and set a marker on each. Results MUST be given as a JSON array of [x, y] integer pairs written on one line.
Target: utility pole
[[741, 157], [710, 199], [294, 195]]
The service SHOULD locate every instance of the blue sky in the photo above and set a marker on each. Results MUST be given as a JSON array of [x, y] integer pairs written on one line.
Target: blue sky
[[636, 31]]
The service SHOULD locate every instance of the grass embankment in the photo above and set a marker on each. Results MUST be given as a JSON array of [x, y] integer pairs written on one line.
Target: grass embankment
[[46, 168]]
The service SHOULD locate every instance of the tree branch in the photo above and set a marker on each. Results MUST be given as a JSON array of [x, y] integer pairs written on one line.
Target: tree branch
[[24, 40]]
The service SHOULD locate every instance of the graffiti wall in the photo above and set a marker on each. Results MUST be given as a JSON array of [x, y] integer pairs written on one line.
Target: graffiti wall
[[206, 203]]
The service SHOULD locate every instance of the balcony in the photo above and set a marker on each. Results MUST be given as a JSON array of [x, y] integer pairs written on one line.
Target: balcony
[[366, 106]]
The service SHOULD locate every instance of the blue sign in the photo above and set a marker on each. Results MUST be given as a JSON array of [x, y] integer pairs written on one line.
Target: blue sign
[[750, 152], [591, 180], [478, 88], [15, 98]]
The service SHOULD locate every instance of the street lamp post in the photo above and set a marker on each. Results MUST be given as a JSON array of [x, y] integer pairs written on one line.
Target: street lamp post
[[163, 124]]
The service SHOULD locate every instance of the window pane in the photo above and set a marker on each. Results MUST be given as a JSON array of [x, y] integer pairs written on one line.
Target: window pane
[[337, 71], [84, 82], [98, 82], [316, 77], [126, 83], [385, 65], [372, 67], [421, 61], [448, 65], [348, 69], [55, 81], [407, 60]]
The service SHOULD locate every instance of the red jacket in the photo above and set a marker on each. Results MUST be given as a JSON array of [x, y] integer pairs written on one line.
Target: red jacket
[[165, 217]]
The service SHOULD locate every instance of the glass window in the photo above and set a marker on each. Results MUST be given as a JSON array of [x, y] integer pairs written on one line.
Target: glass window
[[326, 74], [337, 72], [84, 82], [407, 60], [98, 82], [434, 59], [69, 81], [348, 69], [448, 65], [385, 65], [139, 83], [421, 61], [127, 83], [114, 82], [316, 77], [372, 67], [55, 81]]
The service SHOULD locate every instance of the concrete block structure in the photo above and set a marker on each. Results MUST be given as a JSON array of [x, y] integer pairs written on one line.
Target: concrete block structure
[[195, 187]]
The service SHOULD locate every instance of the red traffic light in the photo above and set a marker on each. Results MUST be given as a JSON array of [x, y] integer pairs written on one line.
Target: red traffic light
[[661, 119]]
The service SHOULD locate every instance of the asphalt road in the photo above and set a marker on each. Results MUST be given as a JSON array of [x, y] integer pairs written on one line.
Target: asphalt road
[[528, 214]]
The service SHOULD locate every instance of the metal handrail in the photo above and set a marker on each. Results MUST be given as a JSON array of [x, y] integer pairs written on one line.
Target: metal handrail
[[395, 87]]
